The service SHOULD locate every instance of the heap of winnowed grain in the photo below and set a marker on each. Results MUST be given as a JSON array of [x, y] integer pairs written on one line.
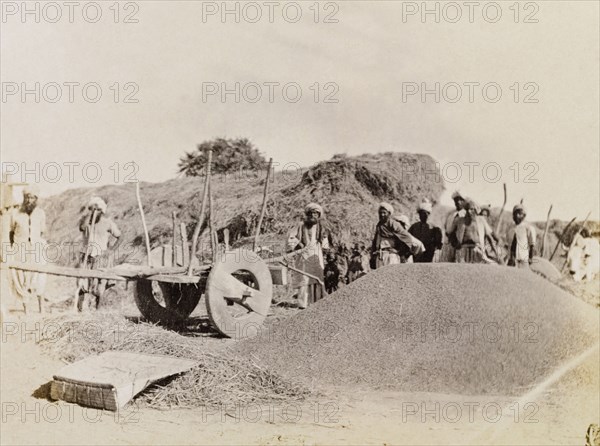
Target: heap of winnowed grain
[[468, 329]]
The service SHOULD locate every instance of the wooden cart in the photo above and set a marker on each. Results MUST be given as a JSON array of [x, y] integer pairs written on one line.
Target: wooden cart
[[237, 286]]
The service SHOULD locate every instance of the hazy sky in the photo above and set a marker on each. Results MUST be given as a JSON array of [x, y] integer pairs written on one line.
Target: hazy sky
[[369, 56]]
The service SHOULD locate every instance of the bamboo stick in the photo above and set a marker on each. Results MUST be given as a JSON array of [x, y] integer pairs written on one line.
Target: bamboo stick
[[146, 236], [202, 210], [561, 238], [497, 228], [264, 205], [174, 243], [543, 250], [184, 244], [211, 225]]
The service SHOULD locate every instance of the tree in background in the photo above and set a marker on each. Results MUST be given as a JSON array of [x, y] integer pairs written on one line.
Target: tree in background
[[229, 155]]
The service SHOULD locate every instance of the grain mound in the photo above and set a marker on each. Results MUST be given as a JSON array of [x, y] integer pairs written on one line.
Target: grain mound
[[469, 329]]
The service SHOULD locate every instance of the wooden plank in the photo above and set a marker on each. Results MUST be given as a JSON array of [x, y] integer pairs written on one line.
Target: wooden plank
[[121, 274], [172, 278], [264, 204], [111, 379], [66, 271], [196, 233]]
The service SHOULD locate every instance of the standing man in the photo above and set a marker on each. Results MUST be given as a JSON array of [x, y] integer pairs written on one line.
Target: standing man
[[430, 235], [522, 240], [26, 229], [471, 232], [391, 239], [450, 243], [311, 236], [96, 253]]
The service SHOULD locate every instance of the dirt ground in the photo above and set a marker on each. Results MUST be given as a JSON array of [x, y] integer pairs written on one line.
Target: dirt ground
[[557, 411]]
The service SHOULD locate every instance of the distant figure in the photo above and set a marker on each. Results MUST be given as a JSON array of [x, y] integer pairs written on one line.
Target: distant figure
[[522, 240], [332, 273], [356, 265], [486, 211], [430, 235], [26, 228], [314, 238], [96, 253], [390, 236], [492, 250], [403, 250], [471, 232], [450, 245]]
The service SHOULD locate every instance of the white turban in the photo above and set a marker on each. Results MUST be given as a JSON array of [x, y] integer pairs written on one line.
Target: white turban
[[404, 220], [388, 207], [456, 194], [313, 207], [471, 205], [97, 202], [31, 189], [520, 207], [425, 205]]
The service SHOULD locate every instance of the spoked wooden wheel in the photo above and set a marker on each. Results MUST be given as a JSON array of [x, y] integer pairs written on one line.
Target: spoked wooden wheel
[[238, 293], [166, 303]]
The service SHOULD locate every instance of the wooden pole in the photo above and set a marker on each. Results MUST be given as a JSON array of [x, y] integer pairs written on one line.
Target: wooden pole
[[264, 204], [202, 210], [90, 234], [146, 236], [497, 228], [576, 234], [184, 244], [174, 243], [226, 238], [543, 250], [561, 238], [211, 226]]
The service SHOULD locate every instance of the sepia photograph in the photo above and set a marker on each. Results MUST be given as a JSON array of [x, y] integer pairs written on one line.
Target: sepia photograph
[[310, 222]]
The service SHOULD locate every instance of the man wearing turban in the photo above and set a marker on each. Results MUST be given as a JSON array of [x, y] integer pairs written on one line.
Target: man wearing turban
[[430, 235], [522, 238], [97, 230], [25, 243], [313, 238], [391, 239], [448, 253], [471, 232]]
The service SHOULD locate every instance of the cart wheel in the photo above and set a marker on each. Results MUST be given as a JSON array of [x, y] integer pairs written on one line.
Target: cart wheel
[[165, 303], [238, 293]]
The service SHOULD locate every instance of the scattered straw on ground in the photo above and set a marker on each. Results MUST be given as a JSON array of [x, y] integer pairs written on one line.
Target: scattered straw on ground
[[220, 378]]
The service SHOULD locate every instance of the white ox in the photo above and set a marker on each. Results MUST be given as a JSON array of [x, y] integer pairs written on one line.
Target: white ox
[[583, 258]]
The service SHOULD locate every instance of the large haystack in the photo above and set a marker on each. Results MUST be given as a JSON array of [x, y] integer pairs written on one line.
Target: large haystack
[[349, 188], [469, 329]]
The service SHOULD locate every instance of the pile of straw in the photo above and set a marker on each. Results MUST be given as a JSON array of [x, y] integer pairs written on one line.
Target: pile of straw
[[220, 379]]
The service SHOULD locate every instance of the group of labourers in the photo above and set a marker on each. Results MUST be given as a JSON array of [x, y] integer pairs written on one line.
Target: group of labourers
[[23, 241], [466, 238]]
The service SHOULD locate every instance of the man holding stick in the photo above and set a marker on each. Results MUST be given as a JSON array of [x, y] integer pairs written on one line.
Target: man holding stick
[[312, 238], [97, 230]]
